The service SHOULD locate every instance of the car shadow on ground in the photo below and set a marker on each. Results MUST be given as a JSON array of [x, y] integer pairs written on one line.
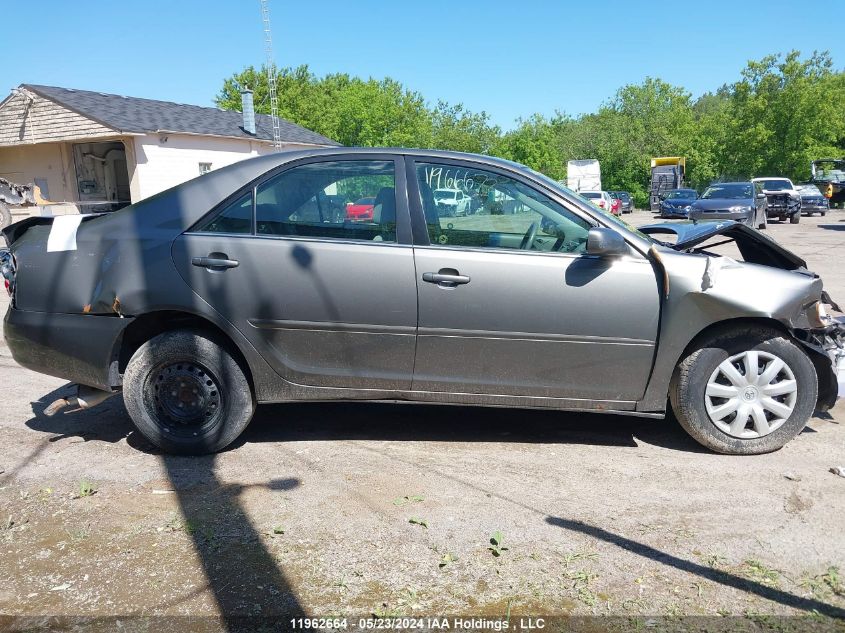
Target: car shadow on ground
[[833, 227], [249, 584], [327, 421], [444, 423]]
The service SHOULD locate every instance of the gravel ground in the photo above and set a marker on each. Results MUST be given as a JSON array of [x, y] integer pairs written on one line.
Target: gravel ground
[[362, 509]]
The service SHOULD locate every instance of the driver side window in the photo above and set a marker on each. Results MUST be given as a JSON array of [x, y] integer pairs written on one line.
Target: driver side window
[[482, 209]]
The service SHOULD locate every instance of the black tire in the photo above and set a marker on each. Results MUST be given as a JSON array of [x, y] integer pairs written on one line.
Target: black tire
[[5, 216], [795, 218], [689, 383], [159, 386]]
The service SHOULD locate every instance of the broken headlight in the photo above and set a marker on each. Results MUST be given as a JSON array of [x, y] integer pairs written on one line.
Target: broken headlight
[[818, 316]]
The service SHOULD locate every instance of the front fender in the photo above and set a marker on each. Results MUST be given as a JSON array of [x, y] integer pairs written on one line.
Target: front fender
[[704, 291]]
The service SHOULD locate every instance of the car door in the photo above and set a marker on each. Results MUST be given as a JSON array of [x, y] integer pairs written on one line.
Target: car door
[[511, 304], [327, 301]]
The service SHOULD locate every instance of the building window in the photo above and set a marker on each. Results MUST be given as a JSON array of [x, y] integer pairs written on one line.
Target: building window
[[205, 168]]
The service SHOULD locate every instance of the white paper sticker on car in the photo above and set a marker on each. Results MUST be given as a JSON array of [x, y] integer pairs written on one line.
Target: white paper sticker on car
[[63, 234]]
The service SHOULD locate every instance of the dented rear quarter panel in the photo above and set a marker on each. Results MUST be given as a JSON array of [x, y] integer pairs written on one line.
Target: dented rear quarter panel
[[122, 268]]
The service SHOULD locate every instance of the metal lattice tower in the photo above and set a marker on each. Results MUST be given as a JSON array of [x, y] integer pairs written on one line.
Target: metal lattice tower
[[271, 74]]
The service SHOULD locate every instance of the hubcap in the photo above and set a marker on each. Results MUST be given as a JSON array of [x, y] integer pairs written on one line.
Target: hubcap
[[186, 398], [751, 394]]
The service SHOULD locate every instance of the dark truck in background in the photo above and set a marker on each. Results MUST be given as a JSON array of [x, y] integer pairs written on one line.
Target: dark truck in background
[[667, 172], [829, 177]]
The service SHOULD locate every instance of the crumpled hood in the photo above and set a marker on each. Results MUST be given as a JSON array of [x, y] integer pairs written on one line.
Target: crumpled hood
[[756, 247]]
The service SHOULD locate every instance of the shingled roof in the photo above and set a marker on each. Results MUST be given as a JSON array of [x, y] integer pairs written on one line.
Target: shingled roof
[[133, 114]]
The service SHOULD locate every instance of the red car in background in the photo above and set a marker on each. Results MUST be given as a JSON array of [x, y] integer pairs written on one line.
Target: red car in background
[[360, 210]]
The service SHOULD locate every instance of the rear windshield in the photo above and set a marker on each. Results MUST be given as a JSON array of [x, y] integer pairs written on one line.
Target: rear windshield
[[592, 195]]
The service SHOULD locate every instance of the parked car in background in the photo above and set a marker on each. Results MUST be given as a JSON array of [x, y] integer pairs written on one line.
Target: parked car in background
[[676, 203], [601, 199], [233, 290], [740, 201], [783, 201], [626, 200], [812, 200], [360, 209], [452, 202]]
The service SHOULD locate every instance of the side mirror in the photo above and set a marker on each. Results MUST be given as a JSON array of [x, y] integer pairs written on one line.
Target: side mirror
[[604, 241], [760, 196]]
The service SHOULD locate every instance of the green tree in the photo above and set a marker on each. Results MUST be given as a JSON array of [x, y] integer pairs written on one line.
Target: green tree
[[783, 112], [362, 113]]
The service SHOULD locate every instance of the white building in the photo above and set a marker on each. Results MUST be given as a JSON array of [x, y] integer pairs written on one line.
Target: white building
[[101, 151]]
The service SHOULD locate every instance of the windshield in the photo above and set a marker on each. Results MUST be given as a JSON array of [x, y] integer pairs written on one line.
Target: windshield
[[440, 194], [775, 185], [831, 173], [730, 191], [681, 195], [810, 190], [606, 215]]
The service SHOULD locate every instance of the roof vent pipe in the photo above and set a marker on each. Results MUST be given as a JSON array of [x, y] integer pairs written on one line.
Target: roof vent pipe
[[248, 110]]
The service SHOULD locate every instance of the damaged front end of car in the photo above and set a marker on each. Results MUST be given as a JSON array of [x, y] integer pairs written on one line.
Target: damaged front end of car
[[796, 300]]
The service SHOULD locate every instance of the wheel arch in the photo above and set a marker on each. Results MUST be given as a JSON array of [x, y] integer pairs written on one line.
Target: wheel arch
[[713, 329], [821, 363], [656, 395], [148, 325]]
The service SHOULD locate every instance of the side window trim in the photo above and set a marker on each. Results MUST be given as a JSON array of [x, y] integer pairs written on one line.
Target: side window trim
[[404, 225], [418, 222]]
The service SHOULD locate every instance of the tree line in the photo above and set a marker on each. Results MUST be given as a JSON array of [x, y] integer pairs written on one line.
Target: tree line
[[783, 112]]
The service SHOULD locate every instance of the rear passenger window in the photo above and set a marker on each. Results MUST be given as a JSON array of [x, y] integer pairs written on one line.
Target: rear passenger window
[[235, 218], [348, 200]]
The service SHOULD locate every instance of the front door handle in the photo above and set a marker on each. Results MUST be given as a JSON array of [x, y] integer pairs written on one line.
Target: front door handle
[[446, 278], [215, 261]]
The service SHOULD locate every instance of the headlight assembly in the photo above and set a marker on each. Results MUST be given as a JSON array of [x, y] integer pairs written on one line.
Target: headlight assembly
[[817, 315]]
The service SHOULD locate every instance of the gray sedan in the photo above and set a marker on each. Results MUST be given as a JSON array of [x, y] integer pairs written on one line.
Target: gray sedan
[[247, 286], [740, 201]]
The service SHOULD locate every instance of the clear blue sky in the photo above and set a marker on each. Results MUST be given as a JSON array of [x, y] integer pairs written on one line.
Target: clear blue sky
[[511, 58]]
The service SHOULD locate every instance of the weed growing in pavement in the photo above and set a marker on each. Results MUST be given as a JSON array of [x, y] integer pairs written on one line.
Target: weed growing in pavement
[[496, 544]]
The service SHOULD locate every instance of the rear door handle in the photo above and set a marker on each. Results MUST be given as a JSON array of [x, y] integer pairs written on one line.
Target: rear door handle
[[446, 280], [216, 262]]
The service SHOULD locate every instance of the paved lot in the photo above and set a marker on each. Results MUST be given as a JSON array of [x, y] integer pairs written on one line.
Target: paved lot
[[311, 511]]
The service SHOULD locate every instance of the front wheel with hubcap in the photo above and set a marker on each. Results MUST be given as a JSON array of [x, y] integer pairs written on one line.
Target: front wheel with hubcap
[[745, 391], [187, 394]]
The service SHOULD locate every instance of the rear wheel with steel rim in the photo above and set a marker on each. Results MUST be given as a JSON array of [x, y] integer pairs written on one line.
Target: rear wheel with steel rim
[[187, 393], [744, 391], [186, 398]]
